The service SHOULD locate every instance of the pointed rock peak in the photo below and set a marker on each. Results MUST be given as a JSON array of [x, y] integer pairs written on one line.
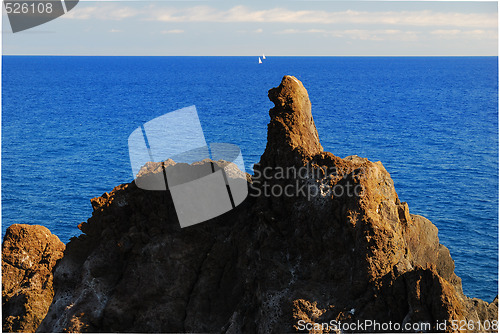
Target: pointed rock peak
[[292, 136], [290, 96]]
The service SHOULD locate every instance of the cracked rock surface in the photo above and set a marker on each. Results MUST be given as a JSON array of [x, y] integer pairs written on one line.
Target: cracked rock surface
[[29, 252], [271, 262]]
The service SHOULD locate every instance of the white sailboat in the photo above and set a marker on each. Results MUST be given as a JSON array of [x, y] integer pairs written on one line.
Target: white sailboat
[[263, 56], [260, 61]]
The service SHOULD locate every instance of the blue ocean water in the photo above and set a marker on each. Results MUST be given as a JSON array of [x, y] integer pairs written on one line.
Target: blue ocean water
[[432, 121]]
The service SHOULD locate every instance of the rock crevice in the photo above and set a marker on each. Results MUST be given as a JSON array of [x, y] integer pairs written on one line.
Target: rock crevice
[[29, 253], [345, 248]]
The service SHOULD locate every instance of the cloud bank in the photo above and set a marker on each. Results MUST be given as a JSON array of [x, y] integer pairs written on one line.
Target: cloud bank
[[243, 14]]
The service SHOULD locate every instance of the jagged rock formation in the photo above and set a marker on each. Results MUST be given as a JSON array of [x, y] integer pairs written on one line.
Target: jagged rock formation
[[291, 133], [320, 238], [29, 252]]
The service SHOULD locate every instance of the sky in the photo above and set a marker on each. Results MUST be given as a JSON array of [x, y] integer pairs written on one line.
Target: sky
[[276, 28]]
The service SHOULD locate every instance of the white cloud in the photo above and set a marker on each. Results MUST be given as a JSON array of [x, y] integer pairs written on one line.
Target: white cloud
[[172, 31], [446, 32], [82, 13], [102, 12], [379, 35], [315, 31], [115, 30], [240, 14], [290, 31], [360, 34], [281, 15], [397, 35], [465, 34]]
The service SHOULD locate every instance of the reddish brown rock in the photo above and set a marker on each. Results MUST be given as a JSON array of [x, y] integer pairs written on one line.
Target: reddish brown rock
[[291, 133], [29, 252], [344, 248]]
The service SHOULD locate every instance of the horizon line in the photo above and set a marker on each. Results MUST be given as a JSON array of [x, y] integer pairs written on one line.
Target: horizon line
[[228, 56]]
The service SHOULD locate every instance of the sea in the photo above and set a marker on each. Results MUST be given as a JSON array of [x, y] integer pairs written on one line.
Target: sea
[[431, 121]]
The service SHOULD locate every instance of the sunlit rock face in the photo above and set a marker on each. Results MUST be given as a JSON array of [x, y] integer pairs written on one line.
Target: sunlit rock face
[[333, 242]]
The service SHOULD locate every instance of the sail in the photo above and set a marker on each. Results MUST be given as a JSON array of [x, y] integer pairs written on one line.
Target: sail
[[263, 56], [260, 61]]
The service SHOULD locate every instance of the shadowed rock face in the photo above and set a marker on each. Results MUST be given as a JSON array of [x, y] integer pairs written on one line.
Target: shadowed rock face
[[29, 252], [338, 246]]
